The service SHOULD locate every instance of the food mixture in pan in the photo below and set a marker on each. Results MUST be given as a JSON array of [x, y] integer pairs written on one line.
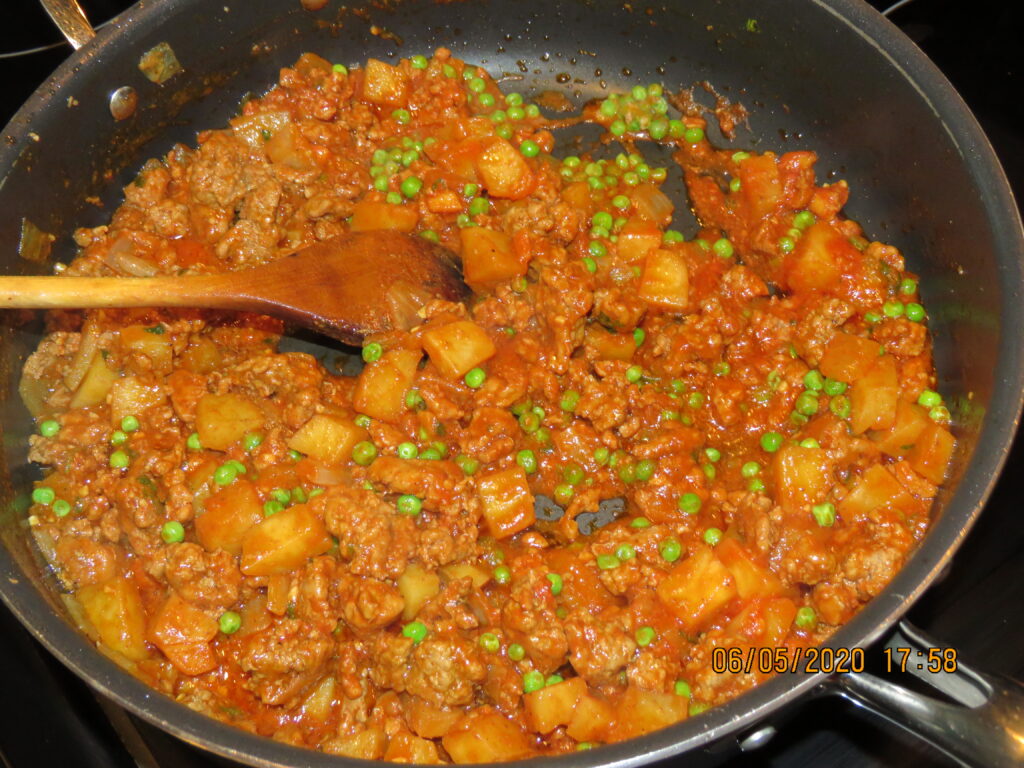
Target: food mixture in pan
[[529, 522]]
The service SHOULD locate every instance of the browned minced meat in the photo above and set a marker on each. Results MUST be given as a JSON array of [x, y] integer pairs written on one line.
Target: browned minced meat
[[355, 563]]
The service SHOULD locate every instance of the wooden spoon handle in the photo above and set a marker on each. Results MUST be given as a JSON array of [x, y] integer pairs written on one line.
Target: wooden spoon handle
[[207, 291]]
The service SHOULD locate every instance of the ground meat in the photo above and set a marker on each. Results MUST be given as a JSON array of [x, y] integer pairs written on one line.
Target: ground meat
[[284, 660], [86, 561], [445, 671], [207, 579], [599, 648], [369, 604], [371, 537], [437, 483]]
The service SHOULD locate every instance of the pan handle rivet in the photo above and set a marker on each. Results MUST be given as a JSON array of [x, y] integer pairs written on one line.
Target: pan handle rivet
[[756, 739], [123, 102]]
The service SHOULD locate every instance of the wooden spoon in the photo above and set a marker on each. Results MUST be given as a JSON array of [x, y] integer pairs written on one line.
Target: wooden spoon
[[348, 287]]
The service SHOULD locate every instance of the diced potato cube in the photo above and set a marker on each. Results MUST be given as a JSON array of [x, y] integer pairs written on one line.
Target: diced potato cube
[[327, 438], [381, 386], [643, 711], [222, 420], [591, 720], [201, 355], [368, 744], [876, 489], [417, 585], [229, 515], [284, 541], [553, 705], [638, 238], [697, 588], [848, 357], [816, 263], [428, 720], [384, 85], [752, 579], [611, 346], [115, 609], [485, 736], [288, 147], [183, 633], [931, 453], [370, 215], [458, 347], [252, 129], [475, 574], [503, 170], [802, 477], [140, 340], [130, 397], [507, 502], [404, 747], [96, 384], [765, 622], [873, 396], [488, 257], [665, 281], [319, 702], [760, 185], [911, 420]]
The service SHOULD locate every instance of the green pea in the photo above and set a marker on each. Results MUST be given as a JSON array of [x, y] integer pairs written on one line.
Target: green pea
[[272, 507], [908, 286], [709, 471], [929, 399], [486, 100], [502, 575], [840, 406], [872, 318], [418, 62], [750, 469], [61, 508], [609, 108], [372, 352], [696, 708], [225, 474], [645, 469], [621, 202], [625, 552], [569, 401], [939, 413], [172, 532], [129, 423], [695, 399], [833, 387], [478, 206], [712, 536], [735, 185], [515, 99], [411, 186], [229, 622], [49, 428], [786, 244], [415, 631], [617, 127], [583, 746], [803, 220], [682, 688], [756, 485], [806, 404], [713, 454], [467, 464], [814, 381], [251, 441], [824, 514], [299, 495], [408, 504], [640, 522], [693, 135], [809, 442], [401, 116], [119, 460], [915, 312], [573, 473], [117, 437], [564, 493], [601, 455], [406, 450], [806, 618], [363, 453], [608, 562], [341, 69], [489, 642], [634, 373], [532, 681], [529, 148], [723, 248], [645, 636], [516, 113], [527, 460], [475, 378], [670, 550], [722, 368], [43, 495], [893, 309], [556, 583], [738, 157], [532, 110], [771, 441]]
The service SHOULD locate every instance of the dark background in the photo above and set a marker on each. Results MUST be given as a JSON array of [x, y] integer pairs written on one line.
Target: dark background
[[53, 719]]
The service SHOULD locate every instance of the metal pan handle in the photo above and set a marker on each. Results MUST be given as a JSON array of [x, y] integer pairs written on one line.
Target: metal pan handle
[[70, 20], [985, 728]]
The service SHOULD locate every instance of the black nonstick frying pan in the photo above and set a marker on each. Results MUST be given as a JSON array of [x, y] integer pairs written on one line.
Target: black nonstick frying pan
[[829, 75]]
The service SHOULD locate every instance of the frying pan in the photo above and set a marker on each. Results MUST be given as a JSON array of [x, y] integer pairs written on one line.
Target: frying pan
[[831, 75]]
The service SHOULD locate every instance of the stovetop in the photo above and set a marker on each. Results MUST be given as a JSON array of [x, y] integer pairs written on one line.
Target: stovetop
[[974, 608]]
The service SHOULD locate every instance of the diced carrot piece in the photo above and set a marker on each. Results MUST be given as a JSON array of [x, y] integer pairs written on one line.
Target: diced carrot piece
[[665, 281], [697, 588], [183, 632], [284, 541], [503, 170], [115, 609], [384, 85], [229, 515], [931, 453], [876, 489], [638, 238], [751, 578], [485, 736], [488, 257], [381, 386], [327, 438], [553, 705], [848, 357], [507, 502], [457, 347], [911, 420], [369, 215], [873, 397], [802, 477]]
